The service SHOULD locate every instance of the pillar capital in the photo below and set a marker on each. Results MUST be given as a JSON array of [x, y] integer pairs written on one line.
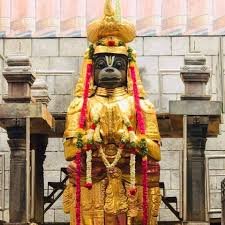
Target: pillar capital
[[19, 77], [39, 91], [195, 74]]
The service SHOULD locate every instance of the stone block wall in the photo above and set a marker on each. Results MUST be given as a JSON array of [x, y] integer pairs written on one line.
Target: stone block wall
[[58, 60]]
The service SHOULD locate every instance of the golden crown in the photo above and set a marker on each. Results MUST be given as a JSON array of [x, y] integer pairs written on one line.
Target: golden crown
[[110, 26]]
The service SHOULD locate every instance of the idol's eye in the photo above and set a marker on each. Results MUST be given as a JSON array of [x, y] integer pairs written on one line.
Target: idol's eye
[[101, 64], [119, 65]]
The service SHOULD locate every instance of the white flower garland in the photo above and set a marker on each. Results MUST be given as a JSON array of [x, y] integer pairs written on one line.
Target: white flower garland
[[132, 171], [107, 164], [133, 140], [89, 167]]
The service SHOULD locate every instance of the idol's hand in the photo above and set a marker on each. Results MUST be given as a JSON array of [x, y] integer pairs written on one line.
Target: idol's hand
[[71, 169], [70, 148]]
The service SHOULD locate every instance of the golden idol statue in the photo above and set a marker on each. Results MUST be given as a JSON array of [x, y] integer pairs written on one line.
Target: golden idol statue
[[111, 136]]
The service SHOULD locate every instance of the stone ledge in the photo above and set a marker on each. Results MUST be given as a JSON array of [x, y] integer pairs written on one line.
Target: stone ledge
[[195, 108], [41, 118]]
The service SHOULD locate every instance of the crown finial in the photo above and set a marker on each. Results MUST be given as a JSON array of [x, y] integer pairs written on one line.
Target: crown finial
[[108, 11]]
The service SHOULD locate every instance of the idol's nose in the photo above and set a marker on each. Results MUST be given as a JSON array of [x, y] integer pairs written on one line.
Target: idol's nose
[[109, 70]]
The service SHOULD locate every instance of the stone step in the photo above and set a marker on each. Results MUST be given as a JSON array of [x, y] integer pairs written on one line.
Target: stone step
[[181, 223], [169, 223]]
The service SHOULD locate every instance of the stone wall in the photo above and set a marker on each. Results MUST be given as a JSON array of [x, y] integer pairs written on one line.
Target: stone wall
[[57, 60]]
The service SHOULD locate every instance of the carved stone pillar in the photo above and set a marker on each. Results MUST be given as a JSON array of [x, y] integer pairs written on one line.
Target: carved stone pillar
[[17, 187], [21, 107], [196, 141], [39, 143], [201, 114]]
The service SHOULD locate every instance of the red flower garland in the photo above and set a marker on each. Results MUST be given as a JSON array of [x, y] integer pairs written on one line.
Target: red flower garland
[[141, 128], [78, 187], [82, 120], [85, 96], [145, 190], [140, 119]]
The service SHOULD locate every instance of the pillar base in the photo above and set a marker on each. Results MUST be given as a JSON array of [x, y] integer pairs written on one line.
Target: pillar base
[[196, 223], [16, 223]]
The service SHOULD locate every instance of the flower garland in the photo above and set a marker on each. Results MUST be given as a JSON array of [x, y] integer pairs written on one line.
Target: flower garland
[[132, 147], [140, 119], [143, 150], [89, 146], [79, 146], [141, 127], [79, 143], [145, 190], [78, 188], [83, 113], [107, 164], [132, 189], [88, 169]]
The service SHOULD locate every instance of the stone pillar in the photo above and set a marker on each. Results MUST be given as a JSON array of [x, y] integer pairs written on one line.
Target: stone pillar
[[202, 119], [20, 78], [19, 105], [196, 141], [17, 187], [195, 75], [223, 201], [39, 143]]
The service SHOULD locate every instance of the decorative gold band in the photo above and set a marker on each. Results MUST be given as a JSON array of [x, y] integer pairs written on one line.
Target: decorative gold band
[[113, 50]]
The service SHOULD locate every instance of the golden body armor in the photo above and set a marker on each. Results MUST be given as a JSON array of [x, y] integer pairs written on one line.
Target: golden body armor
[[109, 202]]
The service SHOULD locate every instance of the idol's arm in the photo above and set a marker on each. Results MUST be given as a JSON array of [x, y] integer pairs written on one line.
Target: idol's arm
[[71, 127], [152, 130]]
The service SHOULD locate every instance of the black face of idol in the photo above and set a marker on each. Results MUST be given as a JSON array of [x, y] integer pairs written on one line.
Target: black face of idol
[[110, 70]]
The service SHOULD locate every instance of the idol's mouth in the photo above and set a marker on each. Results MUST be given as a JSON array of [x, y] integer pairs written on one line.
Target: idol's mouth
[[110, 79]]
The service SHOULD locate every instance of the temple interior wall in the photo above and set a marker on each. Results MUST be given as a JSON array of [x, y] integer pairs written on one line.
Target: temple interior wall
[[58, 60]]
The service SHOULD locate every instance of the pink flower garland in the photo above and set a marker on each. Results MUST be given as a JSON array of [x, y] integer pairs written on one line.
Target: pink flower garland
[[141, 128], [78, 188]]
